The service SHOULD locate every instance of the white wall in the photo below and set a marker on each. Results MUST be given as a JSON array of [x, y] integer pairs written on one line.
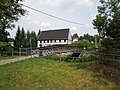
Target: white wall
[[69, 41], [75, 40], [54, 43], [38, 44], [69, 38]]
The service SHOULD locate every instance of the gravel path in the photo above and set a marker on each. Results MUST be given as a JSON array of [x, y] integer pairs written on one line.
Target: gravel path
[[3, 62]]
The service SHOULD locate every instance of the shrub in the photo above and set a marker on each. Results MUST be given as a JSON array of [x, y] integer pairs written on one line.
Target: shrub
[[83, 44]]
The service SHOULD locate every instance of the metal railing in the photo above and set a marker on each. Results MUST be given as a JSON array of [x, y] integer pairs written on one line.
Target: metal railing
[[46, 51]]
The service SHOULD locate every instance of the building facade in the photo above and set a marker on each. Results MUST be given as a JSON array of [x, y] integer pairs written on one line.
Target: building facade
[[54, 37], [75, 38]]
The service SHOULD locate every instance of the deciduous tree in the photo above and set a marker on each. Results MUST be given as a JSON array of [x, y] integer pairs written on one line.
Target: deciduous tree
[[10, 11], [107, 21]]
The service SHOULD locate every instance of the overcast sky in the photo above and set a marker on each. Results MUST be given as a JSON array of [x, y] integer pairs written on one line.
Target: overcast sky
[[80, 11]]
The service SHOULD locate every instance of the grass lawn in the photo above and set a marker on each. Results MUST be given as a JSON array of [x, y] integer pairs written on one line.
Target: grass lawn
[[45, 74], [7, 57]]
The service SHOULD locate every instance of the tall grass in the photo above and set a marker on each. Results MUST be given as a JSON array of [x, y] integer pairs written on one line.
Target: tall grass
[[48, 74]]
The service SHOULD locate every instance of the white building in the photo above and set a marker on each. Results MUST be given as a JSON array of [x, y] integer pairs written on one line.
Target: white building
[[54, 37], [75, 38]]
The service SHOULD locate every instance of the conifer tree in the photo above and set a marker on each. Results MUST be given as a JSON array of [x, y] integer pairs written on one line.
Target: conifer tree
[[17, 42], [34, 39], [28, 38], [23, 38]]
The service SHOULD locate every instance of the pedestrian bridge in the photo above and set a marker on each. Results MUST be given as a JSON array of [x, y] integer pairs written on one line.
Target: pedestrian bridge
[[52, 50]]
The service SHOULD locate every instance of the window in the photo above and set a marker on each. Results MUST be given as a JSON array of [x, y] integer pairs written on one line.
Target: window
[[40, 41], [44, 41], [47, 41], [55, 40], [64, 40]]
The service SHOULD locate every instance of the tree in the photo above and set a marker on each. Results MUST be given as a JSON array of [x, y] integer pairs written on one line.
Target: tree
[[97, 41], [28, 38], [34, 39], [39, 32], [31, 36], [107, 21], [88, 37], [17, 43], [3, 35], [84, 44], [23, 38], [10, 11]]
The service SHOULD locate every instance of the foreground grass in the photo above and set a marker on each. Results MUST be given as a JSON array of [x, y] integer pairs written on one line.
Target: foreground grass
[[45, 74], [7, 57]]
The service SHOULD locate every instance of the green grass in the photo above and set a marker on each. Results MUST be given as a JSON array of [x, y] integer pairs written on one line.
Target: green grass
[[7, 57], [46, 74]]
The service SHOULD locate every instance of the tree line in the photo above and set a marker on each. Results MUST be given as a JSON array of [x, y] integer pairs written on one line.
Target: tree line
[[86, 41], [25, 40]]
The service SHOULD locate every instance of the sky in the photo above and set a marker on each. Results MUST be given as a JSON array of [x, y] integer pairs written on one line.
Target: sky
[[80, 11]]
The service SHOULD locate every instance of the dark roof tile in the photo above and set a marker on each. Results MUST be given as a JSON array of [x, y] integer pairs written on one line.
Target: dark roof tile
[[54, 34]]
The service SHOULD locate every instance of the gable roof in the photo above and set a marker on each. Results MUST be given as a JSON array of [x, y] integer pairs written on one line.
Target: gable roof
[[54, 34], [75, 36]]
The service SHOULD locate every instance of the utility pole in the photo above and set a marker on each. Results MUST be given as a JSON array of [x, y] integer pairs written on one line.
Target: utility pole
[[30, 41], [20, 51], [12, 52]]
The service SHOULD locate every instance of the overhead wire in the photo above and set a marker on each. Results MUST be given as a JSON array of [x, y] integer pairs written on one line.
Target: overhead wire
[[50, 15], [53, 16]]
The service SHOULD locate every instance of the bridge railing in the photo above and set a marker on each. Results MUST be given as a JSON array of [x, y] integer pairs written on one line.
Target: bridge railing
[[46, 51]]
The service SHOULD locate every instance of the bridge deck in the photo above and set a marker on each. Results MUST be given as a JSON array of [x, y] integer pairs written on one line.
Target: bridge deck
[[46, 51]]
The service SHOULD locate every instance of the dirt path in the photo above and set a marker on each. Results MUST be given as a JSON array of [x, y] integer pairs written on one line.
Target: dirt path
[[3, 62]]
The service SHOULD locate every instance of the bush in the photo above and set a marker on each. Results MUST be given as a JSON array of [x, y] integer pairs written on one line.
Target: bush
[[107, 42], [4, 46], [84, 44], [84, 57]]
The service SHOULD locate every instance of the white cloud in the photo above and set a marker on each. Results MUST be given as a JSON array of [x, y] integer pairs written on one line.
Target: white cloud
[[41, 24], [66, 4], [81, 11], [27, 18], [36, 22], [74, 30], [85, 3], [45, 24]]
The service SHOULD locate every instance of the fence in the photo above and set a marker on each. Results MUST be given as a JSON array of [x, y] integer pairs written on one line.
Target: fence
[[67, 53], [110, 57], [20, 52], [13, 53], [47, 51]]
